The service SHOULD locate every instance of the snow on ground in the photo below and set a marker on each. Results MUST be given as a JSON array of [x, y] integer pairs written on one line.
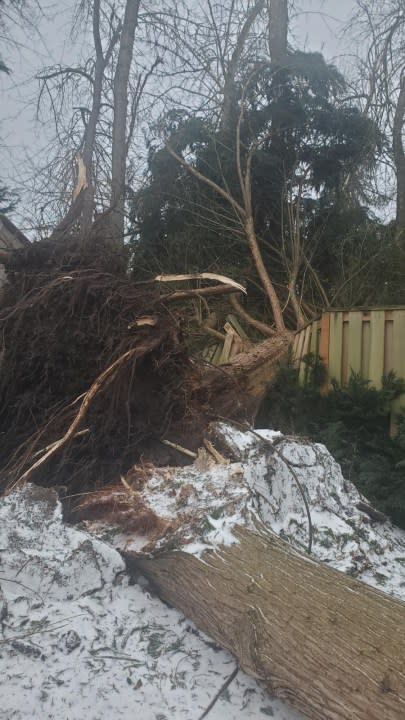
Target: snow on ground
[[79, 641]]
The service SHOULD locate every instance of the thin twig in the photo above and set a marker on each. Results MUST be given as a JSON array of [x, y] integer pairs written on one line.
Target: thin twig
[[181, 449], [222, 689], [26, 587], [58, 625]]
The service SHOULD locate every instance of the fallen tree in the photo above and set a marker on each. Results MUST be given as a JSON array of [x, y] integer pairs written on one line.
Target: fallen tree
[[320, 639], [96, 383]]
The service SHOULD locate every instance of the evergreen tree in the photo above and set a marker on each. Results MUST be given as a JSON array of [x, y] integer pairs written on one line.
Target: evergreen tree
[[309, 141]]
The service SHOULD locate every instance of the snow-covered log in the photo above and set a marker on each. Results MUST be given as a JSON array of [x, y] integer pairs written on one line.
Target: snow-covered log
[[331, 646], [321, 639]]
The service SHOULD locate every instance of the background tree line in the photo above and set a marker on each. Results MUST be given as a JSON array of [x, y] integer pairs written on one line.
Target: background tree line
[[204, 139]]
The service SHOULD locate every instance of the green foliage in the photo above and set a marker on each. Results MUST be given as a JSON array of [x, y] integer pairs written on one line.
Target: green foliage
[[315, 372], [353, 421], [308, 141]]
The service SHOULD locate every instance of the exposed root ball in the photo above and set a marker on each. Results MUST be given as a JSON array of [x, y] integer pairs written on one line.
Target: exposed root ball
[[93, 375]]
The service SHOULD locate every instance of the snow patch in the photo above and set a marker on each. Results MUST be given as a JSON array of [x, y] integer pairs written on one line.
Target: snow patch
[[78, 640]]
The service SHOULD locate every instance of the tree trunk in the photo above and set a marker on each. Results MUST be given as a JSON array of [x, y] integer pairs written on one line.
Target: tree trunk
[[236, 389], [90, 133], [328, 644], [257, 367], [278, 48], [278, 30], [399, 159], [264, 275], [119, 145], [292, 289], [230, 95]]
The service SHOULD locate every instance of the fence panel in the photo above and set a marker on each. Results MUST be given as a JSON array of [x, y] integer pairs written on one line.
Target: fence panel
[[369, 342], [355, 331], [335, 346], [377, 337]]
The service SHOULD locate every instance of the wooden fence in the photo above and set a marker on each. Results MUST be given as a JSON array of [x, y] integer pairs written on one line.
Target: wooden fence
[[369, 341], [236, 341]]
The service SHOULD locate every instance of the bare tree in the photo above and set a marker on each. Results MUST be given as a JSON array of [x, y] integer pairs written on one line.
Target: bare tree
[[232, 51], [278, 30], [94, 106], [102, 59], [205, 47], [22, 14], [120, 119], [380, 85], [212, 54], [200, 51], [399, 156], [231, 66]]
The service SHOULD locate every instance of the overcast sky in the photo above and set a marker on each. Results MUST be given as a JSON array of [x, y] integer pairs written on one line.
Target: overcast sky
[[317, 27], [319, 24]]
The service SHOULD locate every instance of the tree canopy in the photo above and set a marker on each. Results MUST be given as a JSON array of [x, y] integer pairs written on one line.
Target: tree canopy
[[206, 134], [309, 150]]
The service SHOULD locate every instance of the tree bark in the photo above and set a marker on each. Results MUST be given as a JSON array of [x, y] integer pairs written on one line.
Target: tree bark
[[230, 102], [264, 275], [249, 375], [399, 159], [328, 644], [278, 30], [119, 145], [90, 133]]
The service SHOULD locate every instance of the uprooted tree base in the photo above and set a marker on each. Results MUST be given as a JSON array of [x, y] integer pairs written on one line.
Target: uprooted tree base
[[94, 373]]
